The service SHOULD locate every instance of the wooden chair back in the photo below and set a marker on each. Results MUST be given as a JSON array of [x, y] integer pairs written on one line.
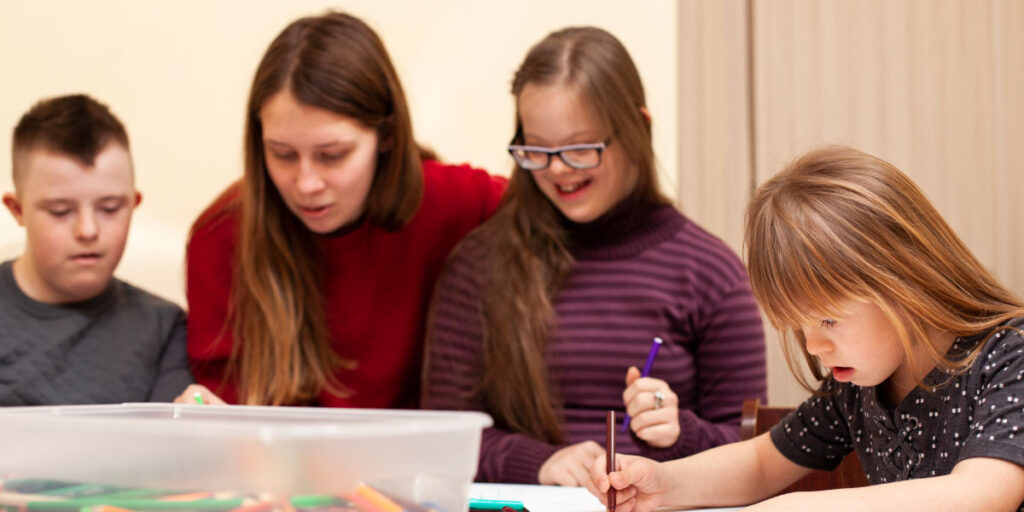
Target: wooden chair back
[[757, 420]]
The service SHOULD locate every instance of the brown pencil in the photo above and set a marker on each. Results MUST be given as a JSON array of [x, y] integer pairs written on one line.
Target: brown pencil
[[610, 455]]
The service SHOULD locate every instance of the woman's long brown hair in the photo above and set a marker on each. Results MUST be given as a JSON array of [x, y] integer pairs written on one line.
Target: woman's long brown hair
[[282, 352], [526, 241], [839, 224]]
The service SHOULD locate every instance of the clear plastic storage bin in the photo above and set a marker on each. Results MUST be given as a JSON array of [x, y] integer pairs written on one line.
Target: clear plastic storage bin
[[421, 456]]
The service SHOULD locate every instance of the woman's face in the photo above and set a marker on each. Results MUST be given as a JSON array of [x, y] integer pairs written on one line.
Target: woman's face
[[322, 163], [553, 116]]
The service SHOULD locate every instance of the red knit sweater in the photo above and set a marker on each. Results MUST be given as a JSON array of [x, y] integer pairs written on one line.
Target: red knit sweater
[[377, 288]]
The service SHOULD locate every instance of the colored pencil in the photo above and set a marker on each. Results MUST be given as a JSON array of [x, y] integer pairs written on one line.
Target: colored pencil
[[610, 455], [655, 345], [480, 504]]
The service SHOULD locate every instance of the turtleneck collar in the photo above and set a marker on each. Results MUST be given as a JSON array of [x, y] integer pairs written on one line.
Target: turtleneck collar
[[630, 227]]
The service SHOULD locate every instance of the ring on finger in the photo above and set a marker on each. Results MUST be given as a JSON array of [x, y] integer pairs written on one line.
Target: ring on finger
[[659, 397]]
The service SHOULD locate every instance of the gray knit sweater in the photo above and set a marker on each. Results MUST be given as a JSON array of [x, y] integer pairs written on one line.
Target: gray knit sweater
[[124, 345]]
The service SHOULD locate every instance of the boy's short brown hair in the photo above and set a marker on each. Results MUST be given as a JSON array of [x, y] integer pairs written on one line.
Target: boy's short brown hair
[[75, 125]]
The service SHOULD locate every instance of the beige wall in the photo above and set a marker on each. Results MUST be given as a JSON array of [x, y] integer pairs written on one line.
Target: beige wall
[[178, 74], [935, 87], [715, 177]]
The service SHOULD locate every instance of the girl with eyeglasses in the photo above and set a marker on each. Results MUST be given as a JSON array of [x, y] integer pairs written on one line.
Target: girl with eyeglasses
[[544, 312]]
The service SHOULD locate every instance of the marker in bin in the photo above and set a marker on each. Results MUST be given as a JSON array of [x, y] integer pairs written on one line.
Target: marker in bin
[[655, 345], [501, 505]]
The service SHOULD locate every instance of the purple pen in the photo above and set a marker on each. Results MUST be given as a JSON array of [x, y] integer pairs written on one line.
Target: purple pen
[[655, 345]]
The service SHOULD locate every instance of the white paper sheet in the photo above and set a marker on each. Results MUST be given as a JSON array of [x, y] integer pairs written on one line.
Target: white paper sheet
[[546, 498]]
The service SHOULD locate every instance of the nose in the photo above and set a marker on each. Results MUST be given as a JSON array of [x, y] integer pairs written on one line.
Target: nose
[[816, 343], [309, 180], [558, 167], [85, 226]]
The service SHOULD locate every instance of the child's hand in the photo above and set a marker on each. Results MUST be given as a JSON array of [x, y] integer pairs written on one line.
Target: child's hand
[[570, 466], [198, 390], [638, 481], [655, 421]]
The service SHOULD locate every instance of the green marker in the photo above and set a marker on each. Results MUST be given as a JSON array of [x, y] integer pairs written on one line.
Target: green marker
[[314, 501], [478, 504], [199, 398], [75, 505]]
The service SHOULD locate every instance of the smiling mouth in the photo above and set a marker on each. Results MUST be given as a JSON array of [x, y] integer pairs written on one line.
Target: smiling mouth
[[572, 187]]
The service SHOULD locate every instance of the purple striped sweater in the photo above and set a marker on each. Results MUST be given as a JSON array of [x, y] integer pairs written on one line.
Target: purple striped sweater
[[641, 271]]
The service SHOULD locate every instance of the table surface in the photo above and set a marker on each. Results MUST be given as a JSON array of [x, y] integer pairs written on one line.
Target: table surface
[[547, 498]]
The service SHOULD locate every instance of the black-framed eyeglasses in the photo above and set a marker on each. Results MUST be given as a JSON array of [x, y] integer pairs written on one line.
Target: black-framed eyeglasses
[[577, 156]]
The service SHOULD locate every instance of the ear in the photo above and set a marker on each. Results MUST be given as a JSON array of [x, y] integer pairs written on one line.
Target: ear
[[12, 204], [647, 115], [138, 199]]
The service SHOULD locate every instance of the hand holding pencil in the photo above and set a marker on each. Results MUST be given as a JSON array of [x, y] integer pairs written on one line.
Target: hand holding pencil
[[638, 483], [652, 407]]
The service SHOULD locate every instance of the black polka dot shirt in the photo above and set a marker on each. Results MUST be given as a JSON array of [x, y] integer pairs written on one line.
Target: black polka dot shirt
[[977, 413]]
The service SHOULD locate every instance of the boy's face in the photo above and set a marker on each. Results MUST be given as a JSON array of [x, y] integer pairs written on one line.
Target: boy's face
[[76, 222]]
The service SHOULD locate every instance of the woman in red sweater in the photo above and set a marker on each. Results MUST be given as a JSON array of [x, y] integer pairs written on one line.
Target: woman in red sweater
[[309, 280]]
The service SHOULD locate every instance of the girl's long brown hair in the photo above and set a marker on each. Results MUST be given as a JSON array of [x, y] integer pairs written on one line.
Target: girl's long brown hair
[[526, 241], [839, 224], [282, 352]]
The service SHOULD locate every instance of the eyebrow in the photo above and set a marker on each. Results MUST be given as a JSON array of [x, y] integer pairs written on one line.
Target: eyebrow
[[120, 198], [318, 146], [56, 202], [571, 136], [60, 201]]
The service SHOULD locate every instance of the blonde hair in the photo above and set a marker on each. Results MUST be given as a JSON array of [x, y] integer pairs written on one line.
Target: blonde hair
[[838, 225]]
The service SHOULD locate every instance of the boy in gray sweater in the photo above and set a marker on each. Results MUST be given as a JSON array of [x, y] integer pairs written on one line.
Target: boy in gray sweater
[[71, 333]]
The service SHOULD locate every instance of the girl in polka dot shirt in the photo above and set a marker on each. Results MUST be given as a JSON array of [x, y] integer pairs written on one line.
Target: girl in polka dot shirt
[[918, 349]]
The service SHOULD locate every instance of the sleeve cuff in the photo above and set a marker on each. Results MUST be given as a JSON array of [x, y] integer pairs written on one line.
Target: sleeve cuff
[[525, 462], [516, 459]]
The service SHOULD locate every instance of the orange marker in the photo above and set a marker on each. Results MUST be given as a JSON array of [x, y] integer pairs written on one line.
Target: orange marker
[[364, 494]]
